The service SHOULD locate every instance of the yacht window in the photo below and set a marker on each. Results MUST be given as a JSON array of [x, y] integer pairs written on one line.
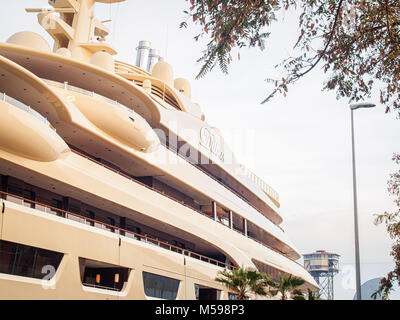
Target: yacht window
[[21, 260], [102, 275], [30, 195], [111, 222], [233, 296], [206, 293], [91, 217], [157, 286]]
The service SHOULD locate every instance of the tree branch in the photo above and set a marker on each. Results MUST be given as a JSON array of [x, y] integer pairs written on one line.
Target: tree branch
[[327, 44]]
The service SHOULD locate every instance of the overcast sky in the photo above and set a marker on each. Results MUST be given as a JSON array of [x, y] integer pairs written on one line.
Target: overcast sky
[[300, 145]]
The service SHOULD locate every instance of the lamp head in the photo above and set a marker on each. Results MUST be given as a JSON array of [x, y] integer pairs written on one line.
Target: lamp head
[[362, 105]]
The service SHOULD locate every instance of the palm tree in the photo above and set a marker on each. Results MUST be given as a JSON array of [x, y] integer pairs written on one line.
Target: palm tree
[[243, 281], [297, 294], [313, 295], [288, 284]]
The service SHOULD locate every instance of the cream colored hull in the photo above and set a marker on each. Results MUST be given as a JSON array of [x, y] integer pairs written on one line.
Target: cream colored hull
[[121, 134], [32, 227]]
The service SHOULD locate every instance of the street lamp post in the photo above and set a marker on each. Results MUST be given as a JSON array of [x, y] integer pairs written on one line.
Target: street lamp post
[[356, 242]]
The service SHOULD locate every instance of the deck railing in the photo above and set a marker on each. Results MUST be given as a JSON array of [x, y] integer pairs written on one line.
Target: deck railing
[[123, 67], [172, 198], [123, 232], [67, 86], [24, 107], [266, 188], [114, 229]]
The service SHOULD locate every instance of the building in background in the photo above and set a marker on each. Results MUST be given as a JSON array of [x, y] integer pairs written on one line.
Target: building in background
[[368, 288], [323, 266]]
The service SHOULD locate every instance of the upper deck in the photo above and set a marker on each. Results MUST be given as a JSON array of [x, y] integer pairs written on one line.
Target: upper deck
[[160, 115], [78, 34], [183, 179], [87, 67]]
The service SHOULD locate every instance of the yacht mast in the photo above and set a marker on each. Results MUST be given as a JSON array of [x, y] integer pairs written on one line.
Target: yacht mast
[[72, 25]]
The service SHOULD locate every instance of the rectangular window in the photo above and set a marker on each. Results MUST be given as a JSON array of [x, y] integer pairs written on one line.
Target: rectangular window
[[26, 261], [160, 287], [206, 293], [232, 296]]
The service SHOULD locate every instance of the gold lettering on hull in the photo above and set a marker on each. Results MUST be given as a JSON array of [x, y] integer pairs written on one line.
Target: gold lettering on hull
[[211, 141]]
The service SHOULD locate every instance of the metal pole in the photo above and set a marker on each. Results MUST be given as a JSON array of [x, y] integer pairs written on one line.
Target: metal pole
[[214, 210], [356, 243]]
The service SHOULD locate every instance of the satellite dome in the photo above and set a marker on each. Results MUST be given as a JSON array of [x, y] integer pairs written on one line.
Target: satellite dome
[[29, 39], [183, 86], [103, 60], [163, 71]]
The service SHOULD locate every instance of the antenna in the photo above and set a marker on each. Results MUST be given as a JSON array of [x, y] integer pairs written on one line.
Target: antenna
[[109, 7], [114, 29], [166, 42], [58, 10]]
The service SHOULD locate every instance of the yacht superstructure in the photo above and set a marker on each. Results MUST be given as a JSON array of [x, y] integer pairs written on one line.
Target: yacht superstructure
[[113, 185]]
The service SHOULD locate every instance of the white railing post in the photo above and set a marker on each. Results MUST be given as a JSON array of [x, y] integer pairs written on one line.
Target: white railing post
[[214, 210]]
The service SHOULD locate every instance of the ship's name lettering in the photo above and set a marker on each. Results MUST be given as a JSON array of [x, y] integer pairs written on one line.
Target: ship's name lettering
[[212, 142]]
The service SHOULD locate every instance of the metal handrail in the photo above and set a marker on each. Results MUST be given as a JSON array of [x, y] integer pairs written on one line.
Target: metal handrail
[[123, 232], [266, 188], [69, 87], [128, 68], [140, 237], [24, 107]]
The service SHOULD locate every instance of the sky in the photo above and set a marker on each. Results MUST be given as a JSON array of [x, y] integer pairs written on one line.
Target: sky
[[300, 145]]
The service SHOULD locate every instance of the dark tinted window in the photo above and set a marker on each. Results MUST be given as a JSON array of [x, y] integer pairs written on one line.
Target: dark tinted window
[[27, 261], [233, 296], [160, 287], [206, 293]]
